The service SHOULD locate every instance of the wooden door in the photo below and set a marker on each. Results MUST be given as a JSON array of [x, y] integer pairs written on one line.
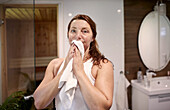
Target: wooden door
[[3, 56]]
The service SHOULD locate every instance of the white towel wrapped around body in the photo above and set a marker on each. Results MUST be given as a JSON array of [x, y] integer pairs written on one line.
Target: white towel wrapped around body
[[68, 81]]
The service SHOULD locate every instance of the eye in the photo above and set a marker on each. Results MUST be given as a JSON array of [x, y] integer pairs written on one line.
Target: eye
[[85, 31], [73, 30]]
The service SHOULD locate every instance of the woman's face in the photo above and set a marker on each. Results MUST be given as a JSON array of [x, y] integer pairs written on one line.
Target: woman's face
[[80, 30]]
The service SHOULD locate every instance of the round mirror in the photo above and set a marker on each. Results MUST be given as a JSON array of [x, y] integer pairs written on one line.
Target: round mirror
[[154, 41]]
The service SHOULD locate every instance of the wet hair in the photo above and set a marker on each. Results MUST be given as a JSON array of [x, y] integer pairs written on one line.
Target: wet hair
[[94, 48]]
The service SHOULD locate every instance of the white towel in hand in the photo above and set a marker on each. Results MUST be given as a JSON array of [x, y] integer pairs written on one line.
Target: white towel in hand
[[68, 81], [121, 93]]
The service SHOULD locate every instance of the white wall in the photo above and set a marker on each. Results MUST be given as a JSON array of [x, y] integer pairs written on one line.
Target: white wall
[[110, 27]]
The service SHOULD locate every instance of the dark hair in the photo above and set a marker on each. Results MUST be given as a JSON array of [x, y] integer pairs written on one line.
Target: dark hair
[[93, 50]]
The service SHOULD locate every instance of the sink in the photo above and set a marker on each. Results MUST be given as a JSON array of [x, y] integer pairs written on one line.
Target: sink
[[154, 97], [158, 85]]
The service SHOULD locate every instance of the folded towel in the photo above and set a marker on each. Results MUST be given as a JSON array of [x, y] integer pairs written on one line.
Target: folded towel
[[121, 93], [68, 81]]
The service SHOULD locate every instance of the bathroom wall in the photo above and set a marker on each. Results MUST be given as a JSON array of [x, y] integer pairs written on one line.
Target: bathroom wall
[[110, 27]]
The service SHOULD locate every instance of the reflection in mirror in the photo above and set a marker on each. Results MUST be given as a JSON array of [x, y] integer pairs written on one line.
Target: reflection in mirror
[[154, 38]]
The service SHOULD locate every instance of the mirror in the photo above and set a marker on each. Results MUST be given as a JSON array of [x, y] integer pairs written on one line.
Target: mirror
[[154, 39]]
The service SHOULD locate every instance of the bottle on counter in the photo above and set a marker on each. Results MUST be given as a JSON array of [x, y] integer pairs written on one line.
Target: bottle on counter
[[146, 81], [139, 75]]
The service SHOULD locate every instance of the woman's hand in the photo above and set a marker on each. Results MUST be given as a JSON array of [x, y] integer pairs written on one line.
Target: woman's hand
[[78, 66], [69, 54]]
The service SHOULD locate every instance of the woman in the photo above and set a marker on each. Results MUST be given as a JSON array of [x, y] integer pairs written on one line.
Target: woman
[[95, 94]]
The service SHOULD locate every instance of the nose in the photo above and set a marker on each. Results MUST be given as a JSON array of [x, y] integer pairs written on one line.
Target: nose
[[79, 35]]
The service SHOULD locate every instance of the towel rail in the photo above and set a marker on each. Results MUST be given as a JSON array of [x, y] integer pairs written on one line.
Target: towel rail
[[121, 72]]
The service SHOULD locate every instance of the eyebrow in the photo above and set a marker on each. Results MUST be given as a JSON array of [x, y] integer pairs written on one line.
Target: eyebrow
[[82, 28], [73, 27], [86, 29]]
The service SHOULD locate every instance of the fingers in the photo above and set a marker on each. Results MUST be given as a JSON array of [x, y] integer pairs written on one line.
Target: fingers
[[72, 49], [76, 52], [70, 53]]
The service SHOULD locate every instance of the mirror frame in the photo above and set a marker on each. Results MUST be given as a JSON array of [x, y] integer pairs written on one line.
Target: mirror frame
[[145, 59]]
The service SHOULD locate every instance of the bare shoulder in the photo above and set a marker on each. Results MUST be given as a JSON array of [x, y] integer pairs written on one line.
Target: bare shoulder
[[105, 65], [105, 69], [54, 65], [56, 61]]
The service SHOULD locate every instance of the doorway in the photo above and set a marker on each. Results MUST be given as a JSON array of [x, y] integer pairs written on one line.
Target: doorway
[[30, 35]]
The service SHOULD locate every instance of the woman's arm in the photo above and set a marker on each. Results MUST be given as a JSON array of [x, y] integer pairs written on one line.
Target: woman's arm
[[48, 88], [100, 96]]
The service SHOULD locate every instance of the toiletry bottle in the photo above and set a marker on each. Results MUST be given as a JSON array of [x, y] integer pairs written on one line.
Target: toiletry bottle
[[146, 81], [139, 75]]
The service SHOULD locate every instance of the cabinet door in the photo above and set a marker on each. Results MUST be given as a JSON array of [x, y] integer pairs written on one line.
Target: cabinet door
[[159, 102]]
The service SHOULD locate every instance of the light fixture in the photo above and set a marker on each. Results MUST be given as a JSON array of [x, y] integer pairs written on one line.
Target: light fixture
[[119, 10], [70, 14]]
